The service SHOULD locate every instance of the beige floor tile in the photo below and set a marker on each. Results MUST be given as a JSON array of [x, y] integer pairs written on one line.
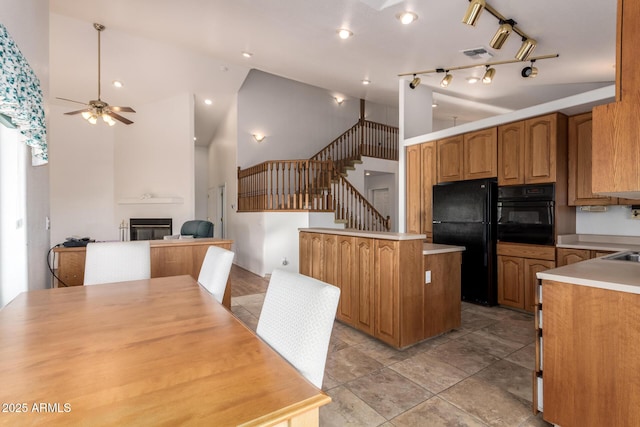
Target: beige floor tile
[[535, 421], [510, 377], [490, 343], [464, 356], [520, 331], [346, 409], [382, 352], [350, 363], [435, 412], [525, 357], [491, 404], [350, 335], [388, 392], [430, 372]]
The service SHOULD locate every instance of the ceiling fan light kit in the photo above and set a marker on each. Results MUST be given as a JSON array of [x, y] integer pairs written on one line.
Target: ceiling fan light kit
[[97, 108], [507, 26]]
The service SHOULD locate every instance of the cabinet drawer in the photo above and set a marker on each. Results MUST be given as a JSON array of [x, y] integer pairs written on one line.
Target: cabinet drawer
[[527, 251]]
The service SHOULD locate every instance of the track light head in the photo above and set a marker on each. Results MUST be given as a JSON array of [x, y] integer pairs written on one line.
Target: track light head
[[446, 79], [473, 12], [528, 45], [488, 75], [530, 71], [415, 82], [502, 34]]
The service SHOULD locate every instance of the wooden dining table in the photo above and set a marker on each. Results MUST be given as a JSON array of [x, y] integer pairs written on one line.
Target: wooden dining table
[[161, 351]]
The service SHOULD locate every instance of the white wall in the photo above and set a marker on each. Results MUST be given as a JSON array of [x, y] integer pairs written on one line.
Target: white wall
[[93, 167], [615, 221], [201, 164], [297, 119], [28, 23]]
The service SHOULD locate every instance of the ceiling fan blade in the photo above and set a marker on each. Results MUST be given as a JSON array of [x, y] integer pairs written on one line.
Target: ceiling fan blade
[[122, 109], [119, 117], [77, 112], [71, 100]]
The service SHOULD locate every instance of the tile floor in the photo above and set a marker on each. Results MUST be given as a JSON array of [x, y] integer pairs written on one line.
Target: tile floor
[[477, 375]]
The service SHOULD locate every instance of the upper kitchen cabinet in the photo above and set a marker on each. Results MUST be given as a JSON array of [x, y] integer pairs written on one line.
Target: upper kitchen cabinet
[[580, 187], [511, 154], [616, 142], [421, 176], [469, 156], [533, 151]]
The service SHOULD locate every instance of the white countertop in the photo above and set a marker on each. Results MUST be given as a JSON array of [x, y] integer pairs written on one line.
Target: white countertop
[[623, 276], [435, 248], [385, 235], [598, 242]]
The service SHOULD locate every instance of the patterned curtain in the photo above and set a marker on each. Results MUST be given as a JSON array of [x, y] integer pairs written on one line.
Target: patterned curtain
[[21, 98]]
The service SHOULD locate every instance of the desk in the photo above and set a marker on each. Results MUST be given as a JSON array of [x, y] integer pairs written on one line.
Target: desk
[[168, 258], [148, 352]]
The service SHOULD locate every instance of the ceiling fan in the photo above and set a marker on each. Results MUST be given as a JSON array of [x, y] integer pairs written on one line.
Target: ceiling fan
[[97, 108]]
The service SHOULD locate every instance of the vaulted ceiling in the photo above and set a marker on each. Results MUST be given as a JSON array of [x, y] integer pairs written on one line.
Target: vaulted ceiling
[[297, 39]]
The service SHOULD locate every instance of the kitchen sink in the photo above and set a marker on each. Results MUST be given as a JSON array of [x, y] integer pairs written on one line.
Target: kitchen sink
[[632, 256]]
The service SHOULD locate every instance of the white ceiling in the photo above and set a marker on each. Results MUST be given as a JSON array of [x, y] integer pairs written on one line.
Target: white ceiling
[[297, 39]]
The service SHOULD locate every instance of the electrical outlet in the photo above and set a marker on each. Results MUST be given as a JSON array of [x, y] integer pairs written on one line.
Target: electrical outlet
[[635, 213], [427, 276]]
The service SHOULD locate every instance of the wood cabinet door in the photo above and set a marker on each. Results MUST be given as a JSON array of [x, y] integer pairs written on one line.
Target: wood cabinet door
[[329, 256], [442, 297], [346, 279], [531, 267], [387, 292], [71, 268], [414, 189], [428, 179], [540, 149], [566, 256], [511, 154], [510, 281], [450, 158], [304, 255], [580, 190], [316, 256], [480, 154], [364, 283]]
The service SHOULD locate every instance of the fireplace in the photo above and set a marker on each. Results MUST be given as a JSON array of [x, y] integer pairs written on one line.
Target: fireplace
[[150, 228]]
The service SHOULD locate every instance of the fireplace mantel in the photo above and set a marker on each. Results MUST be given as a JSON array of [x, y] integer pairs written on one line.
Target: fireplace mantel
[[151, 200]]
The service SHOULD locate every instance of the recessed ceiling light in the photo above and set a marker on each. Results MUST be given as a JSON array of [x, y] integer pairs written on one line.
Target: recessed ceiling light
[[208, 101], [473, 79], [406, 17], [117, 83], [195, 139], [343, 33], [434, 104], [366, 82], [247, 54]]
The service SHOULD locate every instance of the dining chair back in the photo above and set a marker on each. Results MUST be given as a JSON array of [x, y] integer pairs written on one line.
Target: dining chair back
[[108, 262], [215, 270], [297, 319]]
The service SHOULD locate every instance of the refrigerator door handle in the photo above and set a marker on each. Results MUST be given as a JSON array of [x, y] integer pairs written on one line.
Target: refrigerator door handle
[[484, 244], [437, 222]]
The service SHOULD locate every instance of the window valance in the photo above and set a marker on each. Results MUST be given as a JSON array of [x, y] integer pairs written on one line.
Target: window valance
[[21, 100]]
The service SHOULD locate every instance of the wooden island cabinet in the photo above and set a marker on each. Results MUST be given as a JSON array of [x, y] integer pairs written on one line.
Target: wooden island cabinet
[[172, 257], [382, 281]]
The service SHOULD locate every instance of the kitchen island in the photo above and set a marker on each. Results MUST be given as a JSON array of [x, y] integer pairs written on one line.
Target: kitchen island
[[588, 359], [393, 286]]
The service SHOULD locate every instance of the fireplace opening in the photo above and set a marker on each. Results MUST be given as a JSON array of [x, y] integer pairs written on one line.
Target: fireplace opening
[[150, 228]]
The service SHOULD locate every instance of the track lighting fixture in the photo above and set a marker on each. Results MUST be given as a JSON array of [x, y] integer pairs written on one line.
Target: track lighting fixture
[[528, 45], [446, 79], [415, 82], [506, 27], [530, 71], [502, 34], [473, 12], [488, 75]]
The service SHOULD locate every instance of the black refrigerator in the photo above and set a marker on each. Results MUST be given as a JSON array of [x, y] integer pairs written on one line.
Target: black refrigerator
[[464, 214]]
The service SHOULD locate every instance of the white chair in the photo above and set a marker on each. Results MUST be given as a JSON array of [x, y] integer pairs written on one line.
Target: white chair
[[296, 320], [108, 262], [215, 270]]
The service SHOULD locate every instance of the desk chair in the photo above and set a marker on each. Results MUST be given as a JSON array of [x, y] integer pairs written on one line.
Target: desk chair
[[197, 228], [108, 262], [215, 269], [296, 320]]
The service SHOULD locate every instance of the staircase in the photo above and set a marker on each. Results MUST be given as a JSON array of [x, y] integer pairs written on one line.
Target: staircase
[[320, 183]]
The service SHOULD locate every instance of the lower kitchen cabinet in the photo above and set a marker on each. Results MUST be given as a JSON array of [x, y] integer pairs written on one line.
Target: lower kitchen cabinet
[[517, 268], [382, 284], [566, 256]]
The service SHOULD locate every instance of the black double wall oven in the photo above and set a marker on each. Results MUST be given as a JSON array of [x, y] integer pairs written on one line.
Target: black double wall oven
[[526, 214]]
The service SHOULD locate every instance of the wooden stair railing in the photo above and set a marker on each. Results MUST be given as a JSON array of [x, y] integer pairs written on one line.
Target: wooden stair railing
[[354, 210], [282, 185]]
